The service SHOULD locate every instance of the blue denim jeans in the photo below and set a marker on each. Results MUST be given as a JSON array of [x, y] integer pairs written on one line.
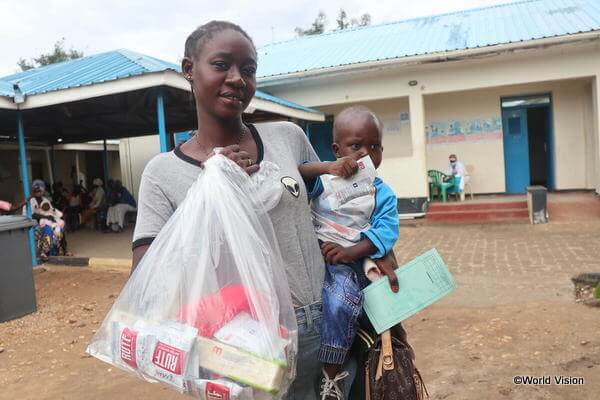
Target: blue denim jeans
[[308, 371], [342, 305]]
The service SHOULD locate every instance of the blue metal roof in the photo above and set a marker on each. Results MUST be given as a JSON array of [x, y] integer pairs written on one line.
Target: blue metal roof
[[283, 102], [6, 89], [481, 27], [100, 68], [87, 70]]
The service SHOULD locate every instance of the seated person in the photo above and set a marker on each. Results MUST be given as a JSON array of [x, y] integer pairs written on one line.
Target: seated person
[[7, 208], [120, 203], [458, 170]]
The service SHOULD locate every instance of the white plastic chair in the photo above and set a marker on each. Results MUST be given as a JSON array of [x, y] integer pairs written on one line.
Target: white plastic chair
[[470, 169]]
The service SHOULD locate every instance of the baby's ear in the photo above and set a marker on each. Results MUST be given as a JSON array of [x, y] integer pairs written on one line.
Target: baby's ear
[[336, 148]]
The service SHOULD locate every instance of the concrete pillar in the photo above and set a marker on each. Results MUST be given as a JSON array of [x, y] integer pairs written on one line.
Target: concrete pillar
[[77, 171], [596, 114], [419, 156]]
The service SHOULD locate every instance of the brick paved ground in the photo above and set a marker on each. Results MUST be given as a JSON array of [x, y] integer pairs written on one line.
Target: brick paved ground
[[511, 262], [513, 312]]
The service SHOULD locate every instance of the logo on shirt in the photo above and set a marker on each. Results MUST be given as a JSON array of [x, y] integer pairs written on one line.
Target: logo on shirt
[[291, 185]]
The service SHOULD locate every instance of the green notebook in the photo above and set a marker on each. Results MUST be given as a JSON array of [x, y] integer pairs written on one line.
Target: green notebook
[[423, 281]]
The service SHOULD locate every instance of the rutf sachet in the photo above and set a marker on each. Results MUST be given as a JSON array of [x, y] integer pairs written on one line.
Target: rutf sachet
[[208, 310]]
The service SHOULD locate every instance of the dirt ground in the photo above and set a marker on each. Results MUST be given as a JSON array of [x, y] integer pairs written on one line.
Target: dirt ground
[[511, 316]]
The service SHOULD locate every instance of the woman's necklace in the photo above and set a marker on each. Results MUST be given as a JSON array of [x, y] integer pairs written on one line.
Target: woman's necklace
[[240, 136]]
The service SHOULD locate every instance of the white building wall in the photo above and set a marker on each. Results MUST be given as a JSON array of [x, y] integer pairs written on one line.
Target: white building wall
[[135, 154], [472, 89]]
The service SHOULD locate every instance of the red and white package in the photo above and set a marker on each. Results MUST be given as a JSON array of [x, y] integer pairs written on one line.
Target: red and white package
[[157, 351], [220, 389]]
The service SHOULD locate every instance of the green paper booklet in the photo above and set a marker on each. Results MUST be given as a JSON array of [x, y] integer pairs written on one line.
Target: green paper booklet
[[423, 281]]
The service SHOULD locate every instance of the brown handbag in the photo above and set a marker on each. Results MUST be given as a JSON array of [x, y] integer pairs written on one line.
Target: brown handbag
[[390, 372]]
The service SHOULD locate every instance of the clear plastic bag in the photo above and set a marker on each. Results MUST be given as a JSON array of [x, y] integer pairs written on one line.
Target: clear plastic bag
[[208, 310]]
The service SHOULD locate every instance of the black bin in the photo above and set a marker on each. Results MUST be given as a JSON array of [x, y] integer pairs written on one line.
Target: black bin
[[17, 291], [537, 199]]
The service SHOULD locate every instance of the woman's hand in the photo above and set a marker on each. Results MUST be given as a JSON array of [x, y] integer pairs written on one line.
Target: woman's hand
[[241, 158], [344, 167]]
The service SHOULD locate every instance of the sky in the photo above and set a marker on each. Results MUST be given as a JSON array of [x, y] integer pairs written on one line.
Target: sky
[[159, 28]]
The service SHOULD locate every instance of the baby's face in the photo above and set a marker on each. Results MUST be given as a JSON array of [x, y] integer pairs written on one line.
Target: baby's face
[[359, 140], [45, 206]]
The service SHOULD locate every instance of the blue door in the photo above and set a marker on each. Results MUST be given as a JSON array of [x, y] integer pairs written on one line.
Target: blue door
[[516, 150], [320, 135]]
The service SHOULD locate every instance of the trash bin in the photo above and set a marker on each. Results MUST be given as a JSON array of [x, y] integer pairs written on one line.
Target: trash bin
[[17, 291], [537, 204]]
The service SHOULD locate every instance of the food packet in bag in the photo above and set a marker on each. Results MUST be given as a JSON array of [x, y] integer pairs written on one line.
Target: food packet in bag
[[214, 267]]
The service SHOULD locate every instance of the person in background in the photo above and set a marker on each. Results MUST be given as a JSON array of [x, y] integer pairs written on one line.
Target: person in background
[[458, 170], [7, 208], [59, 196], [50, 237], [74, 208], [120, 203], [98, 201]]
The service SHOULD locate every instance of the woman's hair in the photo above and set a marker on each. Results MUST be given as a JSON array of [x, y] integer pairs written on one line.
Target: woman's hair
[[197, 39]]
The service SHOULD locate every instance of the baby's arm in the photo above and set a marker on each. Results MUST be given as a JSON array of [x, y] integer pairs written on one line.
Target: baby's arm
[[343, 167], [336, 254]]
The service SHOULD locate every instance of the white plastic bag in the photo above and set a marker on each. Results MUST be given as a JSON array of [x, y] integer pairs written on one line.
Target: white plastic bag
[[213, 270]]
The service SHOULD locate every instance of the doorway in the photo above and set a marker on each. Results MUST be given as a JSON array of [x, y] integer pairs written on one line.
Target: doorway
[[527, 135]]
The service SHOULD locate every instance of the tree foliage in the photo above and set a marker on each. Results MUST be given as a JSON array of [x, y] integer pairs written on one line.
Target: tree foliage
[[342, 22], [58, 54], [317, 27]]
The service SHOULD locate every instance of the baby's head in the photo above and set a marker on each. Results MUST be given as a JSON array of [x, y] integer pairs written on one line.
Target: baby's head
[[357, 133], [46, 206]]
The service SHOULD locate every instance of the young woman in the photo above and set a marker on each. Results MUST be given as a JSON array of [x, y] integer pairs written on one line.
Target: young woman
[[220, 63]]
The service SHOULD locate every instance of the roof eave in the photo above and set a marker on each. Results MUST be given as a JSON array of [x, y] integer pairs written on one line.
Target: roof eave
[[6, 103], [136, 82], [426, 58]]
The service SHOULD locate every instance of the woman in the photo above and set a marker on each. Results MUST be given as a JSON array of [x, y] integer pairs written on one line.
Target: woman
[[49, 234], [121, 202], [220, 63], [98, 201]]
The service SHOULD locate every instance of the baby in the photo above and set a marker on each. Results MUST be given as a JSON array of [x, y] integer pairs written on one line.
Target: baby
[[357, 228]]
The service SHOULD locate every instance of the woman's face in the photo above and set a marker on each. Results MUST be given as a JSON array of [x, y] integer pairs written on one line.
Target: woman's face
[[223, 74], [38, 193]]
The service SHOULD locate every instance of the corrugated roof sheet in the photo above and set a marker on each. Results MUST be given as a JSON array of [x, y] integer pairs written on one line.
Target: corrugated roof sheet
[[87, 70], [6, 89], [100, 68], [283, 102], [481, 27]]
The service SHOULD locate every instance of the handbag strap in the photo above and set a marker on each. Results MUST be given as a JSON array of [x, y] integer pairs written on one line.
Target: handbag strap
[[387, 353]]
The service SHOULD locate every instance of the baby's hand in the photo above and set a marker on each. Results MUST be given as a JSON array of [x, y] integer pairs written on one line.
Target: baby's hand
[[344, 167], [336, 254]]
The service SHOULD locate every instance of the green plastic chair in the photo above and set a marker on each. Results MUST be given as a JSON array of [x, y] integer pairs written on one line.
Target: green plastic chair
[[436, 181]]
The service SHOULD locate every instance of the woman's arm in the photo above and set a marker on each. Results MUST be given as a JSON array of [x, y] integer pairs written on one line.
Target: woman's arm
[[138, 254]]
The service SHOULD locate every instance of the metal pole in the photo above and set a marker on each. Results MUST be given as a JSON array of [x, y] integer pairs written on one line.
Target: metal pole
[[162, 129], [25, 180], [105, 162]]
